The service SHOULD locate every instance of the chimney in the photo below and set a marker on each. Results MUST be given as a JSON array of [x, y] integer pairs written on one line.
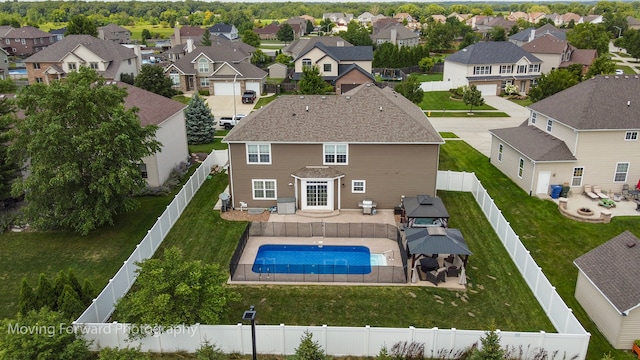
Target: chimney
[[394, 35], [176, 35], [137, 49], [189, 45], [532, 35]]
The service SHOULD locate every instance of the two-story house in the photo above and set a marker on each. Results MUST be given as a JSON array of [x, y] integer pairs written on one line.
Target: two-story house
[[300, 46], [105, 56], [529, 34], [491, 66], [396, 34], [224, 68], [229, 31], [303, 147], [24, 41], [184, 34], [557, 53], [115, 33], [586, 134], [338, 18]]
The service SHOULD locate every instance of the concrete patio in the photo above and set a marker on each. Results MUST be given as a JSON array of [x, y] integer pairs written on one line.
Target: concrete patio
[[578, 201]]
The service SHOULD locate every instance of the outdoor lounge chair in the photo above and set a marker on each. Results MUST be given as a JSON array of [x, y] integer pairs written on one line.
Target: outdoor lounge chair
[[598, 191], [590, 194], [435, 276], [453, 265]]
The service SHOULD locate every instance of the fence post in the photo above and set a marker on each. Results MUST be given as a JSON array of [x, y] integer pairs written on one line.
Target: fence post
[[553, 291], [566, 322], [113, 292], [367, 335], [324, 336], [452, 341], [283, 340], [127, 272], [95, 306], [241, 339]]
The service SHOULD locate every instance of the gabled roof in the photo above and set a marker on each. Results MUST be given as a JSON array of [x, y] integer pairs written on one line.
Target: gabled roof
[[534, 143], [344, 53], [303, 45], [614, 270], [320, 118], [112, 28], [221, 28], [217, 52], [491, 52], [244, 71], [525, 34], [25, 32], [191, 31], [402, 33], [546, 44], [272, 28], [603, 102], [582, 57], [153, 108], [343, 70], [632, 21]]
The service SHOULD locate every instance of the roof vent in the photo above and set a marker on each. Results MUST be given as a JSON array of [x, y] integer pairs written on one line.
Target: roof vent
[[301, 97], [628, 103], [306, 108], [631, 244], [380, 108], [348, 97]]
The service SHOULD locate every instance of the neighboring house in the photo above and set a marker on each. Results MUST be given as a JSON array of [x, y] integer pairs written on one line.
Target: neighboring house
[[220, 69], [586, 134], [229, 31], [4, 64], [106, 57], [482, 24], [299, 26], [115, 33], [439, 18], [401, 17], [24, 41], [303, 147], [535, 17], [556, 53], [460, 17], [340, 19], [277, 71], [568, 17], [187, 33], [608, 288], [491, 66], [334, 61], [366, 18], [300, 46], [633, 23], [532, 33], [518, 15], [396, 34], [58, 33], [169, 116], [268, 32], [591, 19]]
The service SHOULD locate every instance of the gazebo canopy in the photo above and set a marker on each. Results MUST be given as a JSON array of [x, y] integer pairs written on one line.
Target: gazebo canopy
[[425, 206], [436, 240]]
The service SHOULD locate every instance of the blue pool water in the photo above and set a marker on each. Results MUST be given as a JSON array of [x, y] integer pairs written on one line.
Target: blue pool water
[[312, 259]]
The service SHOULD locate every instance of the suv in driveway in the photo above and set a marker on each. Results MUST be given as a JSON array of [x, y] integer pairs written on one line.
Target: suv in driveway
[[248, 97]]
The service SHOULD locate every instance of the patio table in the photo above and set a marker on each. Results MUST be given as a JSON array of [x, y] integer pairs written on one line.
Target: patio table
[[429, 264]]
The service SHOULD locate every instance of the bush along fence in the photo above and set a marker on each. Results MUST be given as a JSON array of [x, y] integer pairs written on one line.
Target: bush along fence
[[570, 342]]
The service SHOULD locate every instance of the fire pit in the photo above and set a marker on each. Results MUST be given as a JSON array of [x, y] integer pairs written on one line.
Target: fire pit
[[585, 211]]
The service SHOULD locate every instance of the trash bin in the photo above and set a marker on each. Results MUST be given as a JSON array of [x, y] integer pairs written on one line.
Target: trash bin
[[555, 191], [224, 201], [565, 190]]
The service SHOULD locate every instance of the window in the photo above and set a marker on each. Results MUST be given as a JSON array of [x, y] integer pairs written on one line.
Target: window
[[204, 82], [93, 65], [35, 41], [175, 78], [520, 168], [482, 70], [258, 154], [622, 169], [36, 66], [327, 67], [306, 62], [549, 125], [335, 154], [143, 170], [506, 69], [7, 41], [23, 41], [504, 84], [534, 82], [39, 80], [533, 117], [631, 136], [264, 189], [533, 68], [73, 66], [203, 65], [129, 61], [358, 186], [500, 148], [576, 180], [522, 69]]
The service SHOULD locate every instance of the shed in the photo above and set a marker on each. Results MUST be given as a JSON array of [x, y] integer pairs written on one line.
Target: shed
[[608, 288], [277, 71]]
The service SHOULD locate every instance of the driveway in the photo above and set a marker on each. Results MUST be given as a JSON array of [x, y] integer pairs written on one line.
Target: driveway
[[475, 131], [223, 105]]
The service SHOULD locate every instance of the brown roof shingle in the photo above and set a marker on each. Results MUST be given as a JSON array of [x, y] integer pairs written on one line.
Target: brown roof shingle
[[153, 108], [534, 143], [366, 114], [614, 269]]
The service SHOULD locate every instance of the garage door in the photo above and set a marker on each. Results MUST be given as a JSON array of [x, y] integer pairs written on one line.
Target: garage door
[[225, 88], [490, 89], [255, 86]]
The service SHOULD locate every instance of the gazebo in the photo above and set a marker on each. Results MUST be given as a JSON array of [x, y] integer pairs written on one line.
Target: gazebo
[[424, 210], [436, 240]]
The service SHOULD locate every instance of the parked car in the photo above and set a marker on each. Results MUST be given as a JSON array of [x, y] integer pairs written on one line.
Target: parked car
[[619, 72], [228, 122], [248, 97]]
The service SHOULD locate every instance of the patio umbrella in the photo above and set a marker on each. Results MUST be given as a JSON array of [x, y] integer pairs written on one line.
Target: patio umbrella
[[463, 277], [414, 275]]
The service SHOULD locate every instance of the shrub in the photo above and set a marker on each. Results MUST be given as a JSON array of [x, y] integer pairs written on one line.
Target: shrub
[[209, 352], [123, 354], [457, 93], [309, 349], [203, 92]]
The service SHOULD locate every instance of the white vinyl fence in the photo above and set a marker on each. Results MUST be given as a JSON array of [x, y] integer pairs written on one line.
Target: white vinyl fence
[[570, 342]]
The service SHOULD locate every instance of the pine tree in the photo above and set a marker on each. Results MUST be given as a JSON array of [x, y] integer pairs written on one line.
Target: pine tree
[[8, 166], [309, 349], [199, 121], [27, 301], [88, 292], [45, 294], [75, 284], [491, 349], [69, 303], [206, 39], [59, 283]]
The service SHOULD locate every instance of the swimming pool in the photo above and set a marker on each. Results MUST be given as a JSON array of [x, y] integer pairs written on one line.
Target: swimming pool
[[315, 259]]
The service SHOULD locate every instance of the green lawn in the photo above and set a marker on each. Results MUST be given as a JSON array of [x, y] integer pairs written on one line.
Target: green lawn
[[466, 114], [440, 100], [264, 100], [215, 145], [626, 69], [449, 135], [525, 102], [429, 77], [162, 32]]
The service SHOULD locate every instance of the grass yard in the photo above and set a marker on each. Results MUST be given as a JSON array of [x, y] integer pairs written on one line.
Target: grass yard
[[525, 102], [429, 77], [626, 69], [162, 32], [466, 114], [264, 100], [440, 100], [217, 144]]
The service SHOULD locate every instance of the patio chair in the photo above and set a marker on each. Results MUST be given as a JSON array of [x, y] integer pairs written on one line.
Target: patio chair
[[625, 192], [598, 191], [590, 194], [435, 277], [453, 265]]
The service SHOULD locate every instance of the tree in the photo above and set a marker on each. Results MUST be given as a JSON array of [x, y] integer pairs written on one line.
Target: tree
[[285, 33], [27, 300], [84, 149], [309, 349], [631, 43], [589, 36], [469, 39], [356, 34], [601, 65], [551, 83], [284, 59], [49, 336], [206, 39], [81, 25], [309, 27], [259, 58], [490, 350], [146, 34], [172, 291], [312, 83], [44, 294], [9, 169], [498, 33], [472, 96], [69, 303], [250, 37], [200, 127], [152, 78], [410, 88], [426, 64], [326, 25]]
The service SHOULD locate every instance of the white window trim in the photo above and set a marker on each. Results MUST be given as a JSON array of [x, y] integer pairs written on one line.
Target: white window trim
[[574, 176], [324, 155], [520, 167], [264, 181], [201, 67], [626, 174], [258, 162], [500, 151], [628, 136], [353, 186], [534, 116], [549, 125], [204, 81]]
